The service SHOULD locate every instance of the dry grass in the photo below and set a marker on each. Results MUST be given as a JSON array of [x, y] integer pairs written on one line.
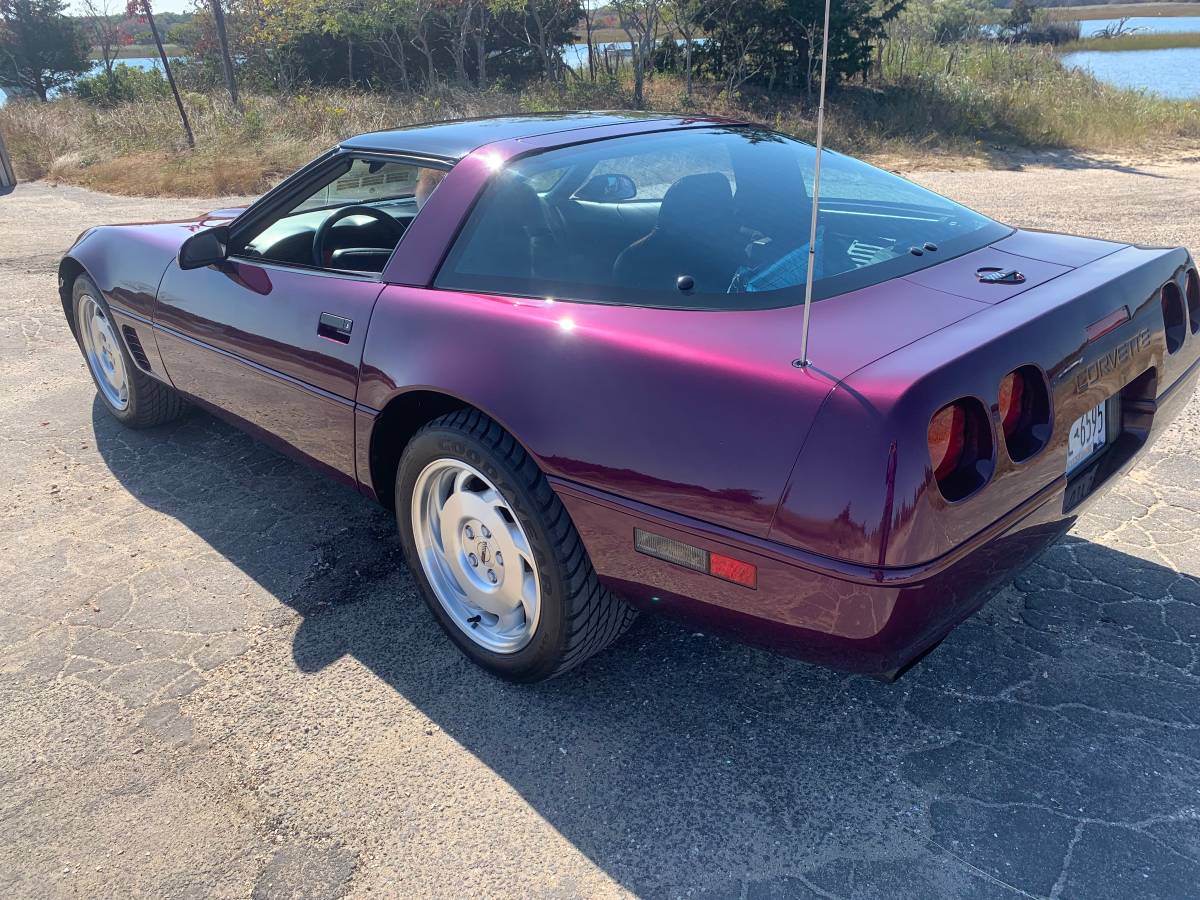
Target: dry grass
[[139, 148], [1163, 40], [1117, 10], [931, 104]]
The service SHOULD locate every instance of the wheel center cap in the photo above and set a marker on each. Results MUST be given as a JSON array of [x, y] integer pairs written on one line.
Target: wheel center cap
[[485, 553]]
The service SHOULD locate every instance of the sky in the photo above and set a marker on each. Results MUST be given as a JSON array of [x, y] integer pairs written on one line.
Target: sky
[[76, 8]]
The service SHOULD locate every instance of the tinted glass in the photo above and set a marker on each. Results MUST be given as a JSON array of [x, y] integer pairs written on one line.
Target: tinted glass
[[394, 191], [718, 218]]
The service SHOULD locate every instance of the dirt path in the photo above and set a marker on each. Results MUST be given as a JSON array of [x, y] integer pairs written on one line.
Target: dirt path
[[216, 679]]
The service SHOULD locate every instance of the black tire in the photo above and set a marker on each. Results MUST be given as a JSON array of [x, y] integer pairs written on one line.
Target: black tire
[[579, 617], [150, 401]]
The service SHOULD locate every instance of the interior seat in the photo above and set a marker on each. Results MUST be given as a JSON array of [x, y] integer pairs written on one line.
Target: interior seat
[[518, 241], [694, 235]]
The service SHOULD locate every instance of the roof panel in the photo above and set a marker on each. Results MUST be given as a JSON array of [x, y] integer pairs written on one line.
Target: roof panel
[[454, 140]]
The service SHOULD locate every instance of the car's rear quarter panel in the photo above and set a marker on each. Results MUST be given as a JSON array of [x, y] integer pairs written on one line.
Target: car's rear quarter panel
[[891, 402], [662, 407]]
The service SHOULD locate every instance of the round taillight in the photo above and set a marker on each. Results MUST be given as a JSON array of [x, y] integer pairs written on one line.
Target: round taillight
[[1193, 300], [960, 448], [1024, 408], [1173, 316]]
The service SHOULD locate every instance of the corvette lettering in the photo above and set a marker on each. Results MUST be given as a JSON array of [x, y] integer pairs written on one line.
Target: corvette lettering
[[1113, 359]]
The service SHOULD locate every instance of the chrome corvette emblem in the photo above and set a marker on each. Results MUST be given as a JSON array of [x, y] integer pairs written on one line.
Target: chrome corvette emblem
[[485, 555], [1118, 356]]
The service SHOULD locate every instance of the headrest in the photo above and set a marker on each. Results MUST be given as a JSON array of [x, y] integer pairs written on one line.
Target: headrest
[[697, 202]]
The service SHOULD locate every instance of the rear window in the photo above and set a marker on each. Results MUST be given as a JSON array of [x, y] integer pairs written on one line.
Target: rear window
[[714, 218]]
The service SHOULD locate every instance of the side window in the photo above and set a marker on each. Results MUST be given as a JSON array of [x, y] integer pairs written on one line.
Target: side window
[[352, 221]]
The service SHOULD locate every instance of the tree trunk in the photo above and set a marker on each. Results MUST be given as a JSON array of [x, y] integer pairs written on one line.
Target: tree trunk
[[687, 56], [403, 63], [591, 46], [226, 58], [350, 60], [162, 54], [481, 57]]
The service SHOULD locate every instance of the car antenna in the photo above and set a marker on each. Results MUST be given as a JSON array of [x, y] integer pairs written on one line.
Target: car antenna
[[804, 361]]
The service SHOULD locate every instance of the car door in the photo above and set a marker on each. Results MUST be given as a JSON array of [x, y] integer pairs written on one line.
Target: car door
[[271, 338], [277, 347]]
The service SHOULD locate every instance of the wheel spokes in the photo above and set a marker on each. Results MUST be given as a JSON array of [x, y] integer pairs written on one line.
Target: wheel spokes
[[476, 555]]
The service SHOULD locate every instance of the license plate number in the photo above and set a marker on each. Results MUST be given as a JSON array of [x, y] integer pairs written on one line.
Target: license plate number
[[1088, 435]]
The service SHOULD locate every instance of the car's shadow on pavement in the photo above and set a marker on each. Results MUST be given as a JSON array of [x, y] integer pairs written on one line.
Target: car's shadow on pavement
[[1051, 745]]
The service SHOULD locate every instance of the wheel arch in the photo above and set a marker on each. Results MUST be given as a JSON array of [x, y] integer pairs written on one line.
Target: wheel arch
[[70, 269], [406, 413]]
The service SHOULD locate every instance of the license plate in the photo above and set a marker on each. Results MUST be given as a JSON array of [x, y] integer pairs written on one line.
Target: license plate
[[1088, 435]]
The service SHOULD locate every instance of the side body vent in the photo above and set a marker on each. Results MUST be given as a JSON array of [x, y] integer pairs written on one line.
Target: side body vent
[[135, 347]]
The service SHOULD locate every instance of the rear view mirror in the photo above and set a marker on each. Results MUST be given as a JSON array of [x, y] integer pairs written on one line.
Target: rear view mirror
[[204, 248], [8, 179], [607, 189]]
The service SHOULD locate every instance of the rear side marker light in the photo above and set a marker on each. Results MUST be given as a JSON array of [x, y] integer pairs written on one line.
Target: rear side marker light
[[1111, 322], [1173, 316], [731, 569], [695, 558]]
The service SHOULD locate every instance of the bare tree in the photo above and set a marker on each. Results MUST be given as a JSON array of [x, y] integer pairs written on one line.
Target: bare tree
[[684, 15], [105, 30], [422, 31], [589, 8], [226, 58], [640, 20], [481, 46]]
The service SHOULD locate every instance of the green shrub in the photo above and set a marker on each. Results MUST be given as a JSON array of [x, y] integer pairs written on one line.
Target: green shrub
[[125, 84]]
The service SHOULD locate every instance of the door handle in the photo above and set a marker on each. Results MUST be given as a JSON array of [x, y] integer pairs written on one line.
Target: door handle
[[335, 328]]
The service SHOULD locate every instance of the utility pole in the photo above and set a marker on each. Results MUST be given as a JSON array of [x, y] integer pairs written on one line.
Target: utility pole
[[162, 54], [8, 180], [226, 59]]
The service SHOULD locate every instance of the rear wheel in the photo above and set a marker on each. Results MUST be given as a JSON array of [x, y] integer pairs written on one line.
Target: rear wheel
[[133, 398], [497, 557]]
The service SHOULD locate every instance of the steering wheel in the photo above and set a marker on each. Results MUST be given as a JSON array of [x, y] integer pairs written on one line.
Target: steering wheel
[[346, 212]]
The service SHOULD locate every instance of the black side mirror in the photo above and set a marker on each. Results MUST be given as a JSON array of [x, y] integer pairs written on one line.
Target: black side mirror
[[204, 248], [607, 189]]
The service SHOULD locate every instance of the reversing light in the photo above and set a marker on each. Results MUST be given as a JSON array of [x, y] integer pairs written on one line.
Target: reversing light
[[697, 559], [960, 448]]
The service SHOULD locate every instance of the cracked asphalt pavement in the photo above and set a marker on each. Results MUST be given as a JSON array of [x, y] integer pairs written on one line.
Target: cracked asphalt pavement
[[217, 679]]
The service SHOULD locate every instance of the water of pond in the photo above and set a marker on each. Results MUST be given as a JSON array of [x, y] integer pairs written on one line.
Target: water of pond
[[141, 62], [1174, 72]]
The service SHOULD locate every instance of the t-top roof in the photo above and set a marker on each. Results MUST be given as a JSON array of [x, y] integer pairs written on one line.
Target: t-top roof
[[454, 140]]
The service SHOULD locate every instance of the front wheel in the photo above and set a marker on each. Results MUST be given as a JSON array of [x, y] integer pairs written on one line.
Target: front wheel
[[133, 398], [497, 557]]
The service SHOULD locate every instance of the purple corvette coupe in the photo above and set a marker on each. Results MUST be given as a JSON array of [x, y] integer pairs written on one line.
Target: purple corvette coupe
[[565, 349]]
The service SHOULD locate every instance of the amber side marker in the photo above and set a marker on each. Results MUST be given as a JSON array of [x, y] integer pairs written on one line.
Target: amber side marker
[[697, 559]]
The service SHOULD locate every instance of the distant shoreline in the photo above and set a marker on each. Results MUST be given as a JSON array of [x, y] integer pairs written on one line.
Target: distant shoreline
[[1120, 10]]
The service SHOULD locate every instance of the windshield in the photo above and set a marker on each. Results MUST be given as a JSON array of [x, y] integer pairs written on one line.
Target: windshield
[[711, 218]]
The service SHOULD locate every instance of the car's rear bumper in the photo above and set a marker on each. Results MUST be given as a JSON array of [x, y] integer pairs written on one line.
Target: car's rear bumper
[[844, 615]]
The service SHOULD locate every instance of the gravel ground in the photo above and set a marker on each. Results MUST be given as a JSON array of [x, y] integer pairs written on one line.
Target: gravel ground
[[216, 678]]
